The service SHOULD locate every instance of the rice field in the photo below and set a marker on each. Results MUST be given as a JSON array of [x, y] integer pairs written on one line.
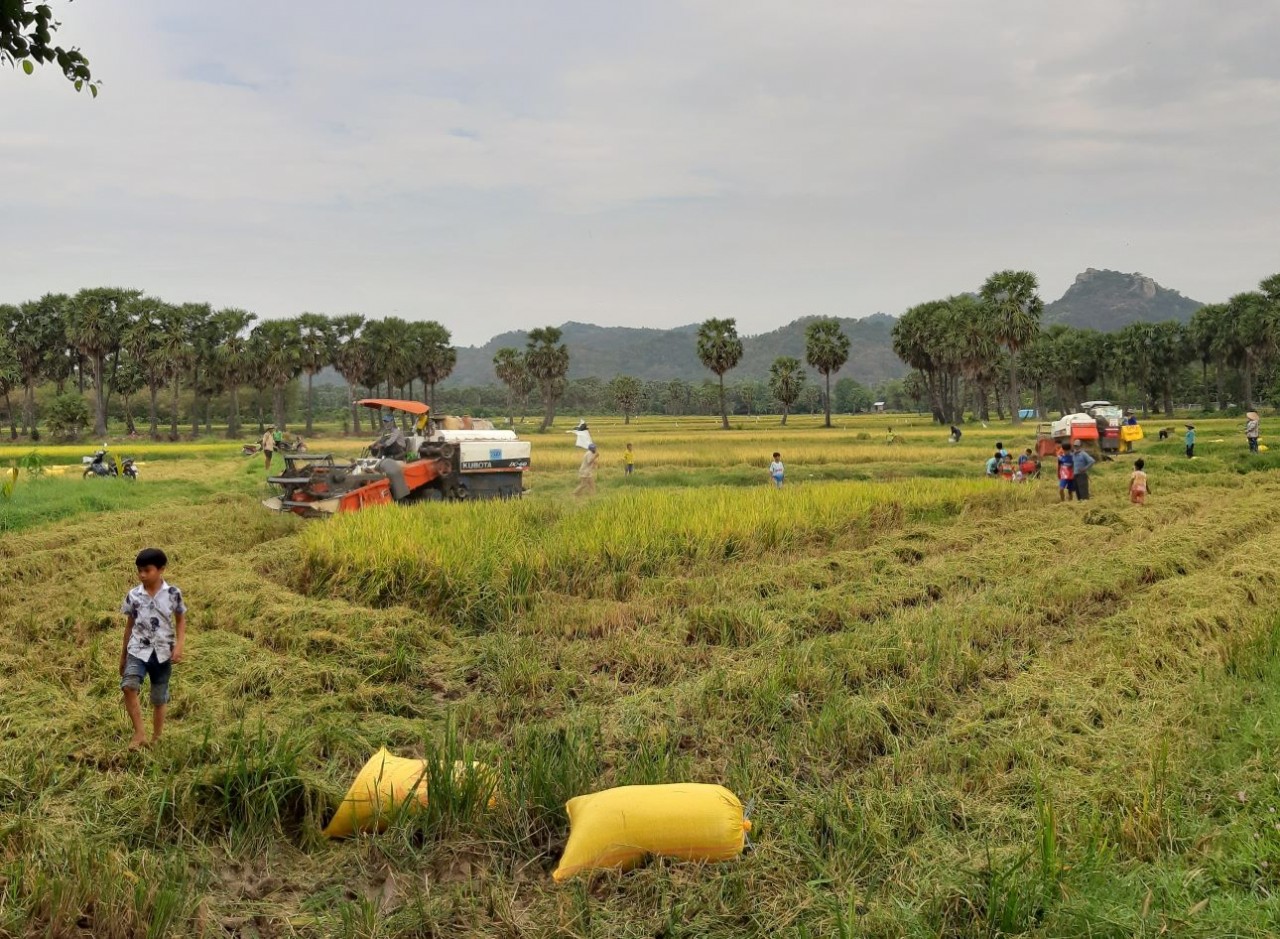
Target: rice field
[[961, 708]]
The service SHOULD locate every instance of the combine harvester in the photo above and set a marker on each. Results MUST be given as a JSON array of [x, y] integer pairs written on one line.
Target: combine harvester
[[1099, 425], [435, 463]]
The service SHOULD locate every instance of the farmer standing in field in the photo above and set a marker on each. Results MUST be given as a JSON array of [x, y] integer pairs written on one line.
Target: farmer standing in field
[[1080, 463], [1190, 441], [587, 472], [628, 460], [1252, 430], [269, 444]]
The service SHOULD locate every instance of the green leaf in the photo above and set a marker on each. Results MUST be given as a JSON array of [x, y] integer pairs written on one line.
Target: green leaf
[[27, 66], [93, 90], [79, 84]]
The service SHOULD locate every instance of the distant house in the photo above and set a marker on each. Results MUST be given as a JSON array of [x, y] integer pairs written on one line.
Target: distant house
[[1028, 412], [877, 406]]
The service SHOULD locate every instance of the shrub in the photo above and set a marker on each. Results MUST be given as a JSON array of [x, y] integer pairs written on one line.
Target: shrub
[[68, 415]]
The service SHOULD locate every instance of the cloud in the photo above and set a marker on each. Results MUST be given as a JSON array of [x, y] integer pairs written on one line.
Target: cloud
[[500, 165]]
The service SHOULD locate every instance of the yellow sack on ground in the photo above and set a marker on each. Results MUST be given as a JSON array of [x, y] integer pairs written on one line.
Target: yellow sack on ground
[[384, 784], [616, 828]]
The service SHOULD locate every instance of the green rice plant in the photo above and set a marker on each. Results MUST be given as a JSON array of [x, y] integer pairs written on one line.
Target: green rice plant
[[33, 463], [548, 766], [360, 919], [256, 788], [461, 791]]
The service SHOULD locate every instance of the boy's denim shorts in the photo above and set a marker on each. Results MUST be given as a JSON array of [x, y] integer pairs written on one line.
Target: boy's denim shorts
[[136, 669]]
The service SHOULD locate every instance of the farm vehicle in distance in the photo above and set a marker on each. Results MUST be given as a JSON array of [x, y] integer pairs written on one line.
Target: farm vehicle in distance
[[451, 459]]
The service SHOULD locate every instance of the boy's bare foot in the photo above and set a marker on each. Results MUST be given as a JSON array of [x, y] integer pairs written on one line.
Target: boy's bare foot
[[137, 743]]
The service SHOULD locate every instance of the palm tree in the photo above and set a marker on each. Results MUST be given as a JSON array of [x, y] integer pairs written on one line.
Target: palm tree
[[389, 355], [350, 358], [720, 349], [508, 365], [315, 352], [547, 360], [433, 355], [126, 381], [976, 346], [234, 360], [173, 352], [96, 320], [201, 362], [142, 344], [36, 334], [826, 349], [278, 353], [625, 391], [786, 381], [1136, 343], [924, 338], [1254, 335], [1017, 307], [10, 375], [1171, 350]]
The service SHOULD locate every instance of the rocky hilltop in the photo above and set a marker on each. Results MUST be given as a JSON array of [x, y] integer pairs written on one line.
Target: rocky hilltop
[[1110, 300]]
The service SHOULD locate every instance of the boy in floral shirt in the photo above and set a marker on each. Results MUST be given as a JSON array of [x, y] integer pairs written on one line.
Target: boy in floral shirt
[[153, 638]]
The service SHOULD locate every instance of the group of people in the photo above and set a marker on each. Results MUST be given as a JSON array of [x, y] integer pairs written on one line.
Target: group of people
[[1001, 465]]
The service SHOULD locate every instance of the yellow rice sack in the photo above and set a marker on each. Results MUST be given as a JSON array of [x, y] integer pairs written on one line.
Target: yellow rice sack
[[383, 785], [616, 828]]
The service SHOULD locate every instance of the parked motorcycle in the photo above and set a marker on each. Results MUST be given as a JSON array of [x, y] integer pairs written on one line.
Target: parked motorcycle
[[103, 464]]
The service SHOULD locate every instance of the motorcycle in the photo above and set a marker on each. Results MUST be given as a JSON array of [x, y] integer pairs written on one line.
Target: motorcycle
[[101, 464]]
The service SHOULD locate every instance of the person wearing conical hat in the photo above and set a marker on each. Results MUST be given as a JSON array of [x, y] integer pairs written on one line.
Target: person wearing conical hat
[[1191, 441], [1251, 430]]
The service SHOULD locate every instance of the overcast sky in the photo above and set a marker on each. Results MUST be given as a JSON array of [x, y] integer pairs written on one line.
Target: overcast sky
[[500, 165]]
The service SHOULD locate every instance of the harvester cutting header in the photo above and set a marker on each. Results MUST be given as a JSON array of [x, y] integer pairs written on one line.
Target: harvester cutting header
[[453, 458]]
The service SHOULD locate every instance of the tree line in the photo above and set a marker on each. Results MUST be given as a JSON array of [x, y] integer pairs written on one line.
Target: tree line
[[119, 343], [544, 364], [969, 352]]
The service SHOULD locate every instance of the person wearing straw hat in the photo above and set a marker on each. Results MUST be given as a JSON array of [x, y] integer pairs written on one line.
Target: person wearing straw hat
[[1251, 430], [587, 472], [1190, 441], [269, 444]]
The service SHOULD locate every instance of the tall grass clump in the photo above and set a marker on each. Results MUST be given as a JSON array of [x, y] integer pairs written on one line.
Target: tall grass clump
[[256, 788], [480, 563]]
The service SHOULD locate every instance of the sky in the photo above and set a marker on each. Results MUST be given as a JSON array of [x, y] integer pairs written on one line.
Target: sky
[[501, 164]]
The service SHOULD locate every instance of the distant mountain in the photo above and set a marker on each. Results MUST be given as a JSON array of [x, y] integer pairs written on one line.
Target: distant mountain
[[664, 354], [1103, 300], [1110, 300]]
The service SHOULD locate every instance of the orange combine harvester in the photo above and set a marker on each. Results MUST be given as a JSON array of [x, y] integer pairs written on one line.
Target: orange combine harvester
[[451, 459]]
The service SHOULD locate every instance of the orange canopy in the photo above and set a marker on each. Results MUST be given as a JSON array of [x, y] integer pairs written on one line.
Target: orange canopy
[[411, 407]]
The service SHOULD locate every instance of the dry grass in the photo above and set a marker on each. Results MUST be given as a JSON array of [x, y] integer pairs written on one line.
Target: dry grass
[[962, 708]]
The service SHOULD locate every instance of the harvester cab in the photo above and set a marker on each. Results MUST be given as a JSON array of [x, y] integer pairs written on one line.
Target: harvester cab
[[452, 458]]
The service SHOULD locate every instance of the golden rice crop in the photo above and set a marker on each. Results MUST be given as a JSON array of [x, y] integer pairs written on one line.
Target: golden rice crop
[[487, 559]]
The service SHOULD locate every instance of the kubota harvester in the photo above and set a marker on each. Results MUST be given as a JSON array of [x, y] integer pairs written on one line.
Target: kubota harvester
[[453, 459]]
